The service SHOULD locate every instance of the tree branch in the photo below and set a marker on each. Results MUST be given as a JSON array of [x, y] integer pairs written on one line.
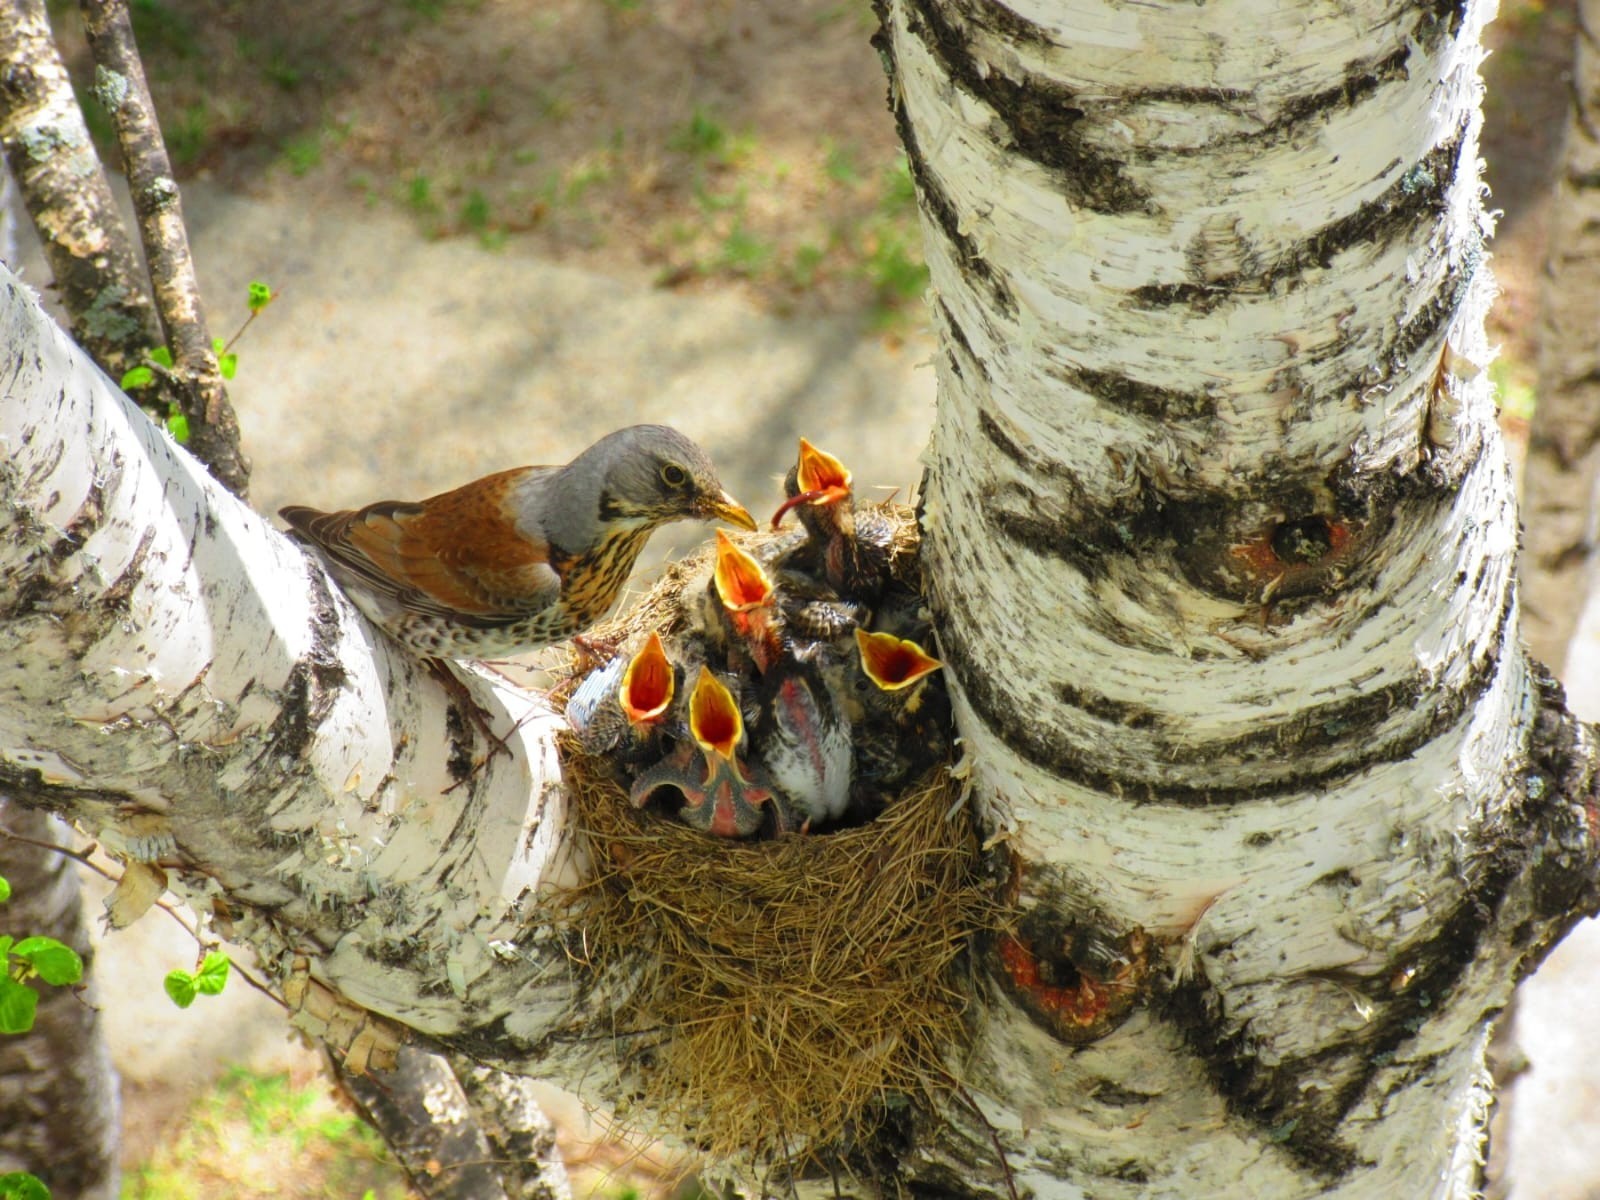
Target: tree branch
[[120, 86], [67, 195]]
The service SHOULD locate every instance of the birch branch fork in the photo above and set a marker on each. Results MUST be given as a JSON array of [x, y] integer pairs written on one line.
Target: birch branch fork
[[120, 87]]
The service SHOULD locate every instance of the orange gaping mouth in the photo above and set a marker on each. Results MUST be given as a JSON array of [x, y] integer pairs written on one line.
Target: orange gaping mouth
[[648, 684], [821, 478], [821, 472], [891, 662], [714, 717], [741, 582]]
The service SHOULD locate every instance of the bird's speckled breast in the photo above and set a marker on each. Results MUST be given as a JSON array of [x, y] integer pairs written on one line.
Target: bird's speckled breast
[[591, 581]]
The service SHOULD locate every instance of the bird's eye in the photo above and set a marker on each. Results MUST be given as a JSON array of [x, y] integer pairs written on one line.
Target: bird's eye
[[673, 475]]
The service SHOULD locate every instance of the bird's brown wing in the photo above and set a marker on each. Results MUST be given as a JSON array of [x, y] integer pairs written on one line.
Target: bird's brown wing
[[457, 555]]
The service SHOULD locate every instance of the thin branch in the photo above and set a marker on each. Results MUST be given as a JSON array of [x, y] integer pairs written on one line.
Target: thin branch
[[120, 86], [83, 857], [67, 195]]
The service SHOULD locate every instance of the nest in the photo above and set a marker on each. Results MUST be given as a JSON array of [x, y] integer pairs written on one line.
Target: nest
[[782, 997], [790, 989]]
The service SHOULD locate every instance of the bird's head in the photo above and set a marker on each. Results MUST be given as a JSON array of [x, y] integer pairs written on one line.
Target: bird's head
[[817, 481], [652, 474]]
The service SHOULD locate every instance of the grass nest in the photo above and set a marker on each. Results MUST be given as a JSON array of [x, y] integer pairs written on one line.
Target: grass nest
[[780, 998], [789, 989]]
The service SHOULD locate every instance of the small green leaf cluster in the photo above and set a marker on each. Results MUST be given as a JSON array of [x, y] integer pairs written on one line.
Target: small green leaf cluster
[[19, 1185], [27, 959], [258, 296], [209, 980]]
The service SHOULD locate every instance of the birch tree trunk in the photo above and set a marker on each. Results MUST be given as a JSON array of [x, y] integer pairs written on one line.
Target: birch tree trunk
[[1220, 537], [58, 1092], [1218, 505]]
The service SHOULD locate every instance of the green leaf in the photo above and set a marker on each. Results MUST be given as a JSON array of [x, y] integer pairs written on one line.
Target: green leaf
[[5, 889], [136, 377], [161, 355], [180, 986], [213, 974], [5, 948], [260, 296], [56, 963], [17, 1005], [19, 1185], [228, 364], [178, 426]]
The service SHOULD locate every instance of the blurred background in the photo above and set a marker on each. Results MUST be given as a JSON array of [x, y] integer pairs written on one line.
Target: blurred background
[[498, 229]]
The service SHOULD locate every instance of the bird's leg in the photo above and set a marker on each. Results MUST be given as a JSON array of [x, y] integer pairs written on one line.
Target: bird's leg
[[594, 652]]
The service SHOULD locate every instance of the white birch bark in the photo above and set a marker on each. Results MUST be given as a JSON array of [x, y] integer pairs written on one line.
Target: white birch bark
[[1210, 278], [180, 681], [1220, 539]]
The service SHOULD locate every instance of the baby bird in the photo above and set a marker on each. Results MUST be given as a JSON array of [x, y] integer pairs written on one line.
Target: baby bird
[[854, 544], [721, 795]]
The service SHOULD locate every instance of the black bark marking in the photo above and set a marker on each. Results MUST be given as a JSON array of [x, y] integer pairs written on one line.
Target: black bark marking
[[1419, 196], [1404, 994], [1362, 78], [1267, 1098], [1040, 117], [39, 580], [1429, 324], [1116, 712], [938, 205], [1007, 442], [1121, 391], [308, 693], [1440, 19], [958, 337], [1309, 735]]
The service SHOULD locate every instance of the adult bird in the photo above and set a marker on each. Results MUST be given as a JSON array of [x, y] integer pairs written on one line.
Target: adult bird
[[518, 559]]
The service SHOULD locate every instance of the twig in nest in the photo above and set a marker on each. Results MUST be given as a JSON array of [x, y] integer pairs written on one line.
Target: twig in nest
[[120, 86]]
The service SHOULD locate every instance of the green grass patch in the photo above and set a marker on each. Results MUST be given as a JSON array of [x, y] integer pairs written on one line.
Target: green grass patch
[[258, 1136]]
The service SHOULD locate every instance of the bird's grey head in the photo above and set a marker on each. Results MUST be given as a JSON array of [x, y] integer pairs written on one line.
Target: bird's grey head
[[652, 474]]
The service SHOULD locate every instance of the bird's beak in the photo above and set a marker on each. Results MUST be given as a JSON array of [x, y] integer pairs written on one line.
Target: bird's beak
[[821, 472], [821, 478], [893, 663], [648, 684], [714, 718], [724, 507], [741, 582]]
